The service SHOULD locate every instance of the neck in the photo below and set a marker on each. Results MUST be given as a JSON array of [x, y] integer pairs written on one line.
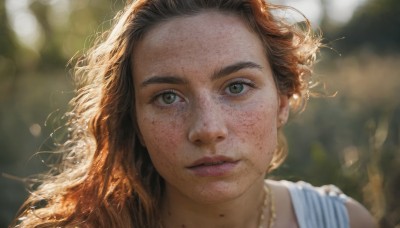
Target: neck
[[241, 211]]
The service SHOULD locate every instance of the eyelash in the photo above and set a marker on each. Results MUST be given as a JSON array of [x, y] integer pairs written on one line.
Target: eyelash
[[160, 94], [243, 82]]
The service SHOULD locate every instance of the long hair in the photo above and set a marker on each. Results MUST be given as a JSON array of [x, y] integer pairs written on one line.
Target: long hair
[[106, 178]]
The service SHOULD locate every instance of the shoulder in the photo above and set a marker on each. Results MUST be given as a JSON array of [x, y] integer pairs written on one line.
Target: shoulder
[[325, 206], [283, 205], [359, 216]]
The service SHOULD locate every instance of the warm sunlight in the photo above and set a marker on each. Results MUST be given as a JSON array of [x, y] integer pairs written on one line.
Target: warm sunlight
[[339, 11], [29, 31]]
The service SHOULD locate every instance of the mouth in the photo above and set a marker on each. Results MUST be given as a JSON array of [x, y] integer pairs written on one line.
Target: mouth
[[213, 166], [212, 161]]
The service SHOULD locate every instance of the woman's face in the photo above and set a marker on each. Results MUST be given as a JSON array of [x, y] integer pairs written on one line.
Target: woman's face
[[207, 106]]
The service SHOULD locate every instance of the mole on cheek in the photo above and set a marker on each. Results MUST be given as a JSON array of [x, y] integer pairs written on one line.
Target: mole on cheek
[[221, 215]]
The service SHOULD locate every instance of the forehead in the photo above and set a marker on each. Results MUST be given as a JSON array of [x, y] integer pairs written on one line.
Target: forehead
[[207, 23], [198, 40]]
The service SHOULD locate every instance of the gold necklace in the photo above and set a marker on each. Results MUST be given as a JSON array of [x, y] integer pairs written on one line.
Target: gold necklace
[[268, 202]]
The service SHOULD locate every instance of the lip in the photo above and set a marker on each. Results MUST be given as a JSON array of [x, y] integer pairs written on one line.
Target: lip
[[213, 166]]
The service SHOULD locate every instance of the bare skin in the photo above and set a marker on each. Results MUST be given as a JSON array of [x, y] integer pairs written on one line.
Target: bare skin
[[205, 93], [359, 217], [285, 216], [209, 112]]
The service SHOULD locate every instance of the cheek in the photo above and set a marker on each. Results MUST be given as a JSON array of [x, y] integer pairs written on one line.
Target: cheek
[[257, 129], [161, 139]]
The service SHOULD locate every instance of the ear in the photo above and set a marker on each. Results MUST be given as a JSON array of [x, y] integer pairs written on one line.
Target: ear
[[283, 110]]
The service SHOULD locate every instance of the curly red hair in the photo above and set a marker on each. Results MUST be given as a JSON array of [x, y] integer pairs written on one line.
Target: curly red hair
[[106, 178]]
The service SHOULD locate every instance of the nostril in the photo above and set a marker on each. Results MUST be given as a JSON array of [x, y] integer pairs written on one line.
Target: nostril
[[197, 142], [220, 138]]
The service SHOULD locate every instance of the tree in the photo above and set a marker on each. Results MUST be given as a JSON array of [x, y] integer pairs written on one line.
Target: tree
[[374, 26]]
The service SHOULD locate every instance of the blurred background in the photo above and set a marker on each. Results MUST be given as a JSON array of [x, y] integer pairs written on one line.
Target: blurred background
[[351, 139]]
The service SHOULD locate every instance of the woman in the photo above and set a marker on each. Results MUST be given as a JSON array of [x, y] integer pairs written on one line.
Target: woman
[[177, 121]]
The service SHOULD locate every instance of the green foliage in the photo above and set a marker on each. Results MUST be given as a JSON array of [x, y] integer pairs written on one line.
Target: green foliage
[[375, 27], [351, 140]]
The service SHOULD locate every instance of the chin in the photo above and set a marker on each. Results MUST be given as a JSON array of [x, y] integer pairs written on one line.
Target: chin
[[214, 193]]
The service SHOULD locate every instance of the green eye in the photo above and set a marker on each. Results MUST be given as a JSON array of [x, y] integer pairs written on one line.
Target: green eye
[[168, 98], [236, 88]]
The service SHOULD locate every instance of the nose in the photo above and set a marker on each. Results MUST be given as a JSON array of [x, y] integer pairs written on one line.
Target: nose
[[208, 124]]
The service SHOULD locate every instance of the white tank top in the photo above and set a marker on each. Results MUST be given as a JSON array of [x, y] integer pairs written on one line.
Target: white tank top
[[318, 207]]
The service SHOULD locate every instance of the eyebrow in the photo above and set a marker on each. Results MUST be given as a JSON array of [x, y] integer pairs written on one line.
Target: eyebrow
[[167, 79], [234, 68], [171, 79]]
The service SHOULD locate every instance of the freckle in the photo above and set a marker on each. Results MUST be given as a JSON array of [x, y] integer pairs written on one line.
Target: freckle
[[183, 226], [221, 215], [169, 213]]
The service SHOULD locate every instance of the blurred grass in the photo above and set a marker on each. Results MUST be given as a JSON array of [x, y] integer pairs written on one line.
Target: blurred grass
[[351, 140]]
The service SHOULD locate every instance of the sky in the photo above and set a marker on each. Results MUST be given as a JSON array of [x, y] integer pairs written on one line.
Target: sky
[[339, 11], [29, 33]]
